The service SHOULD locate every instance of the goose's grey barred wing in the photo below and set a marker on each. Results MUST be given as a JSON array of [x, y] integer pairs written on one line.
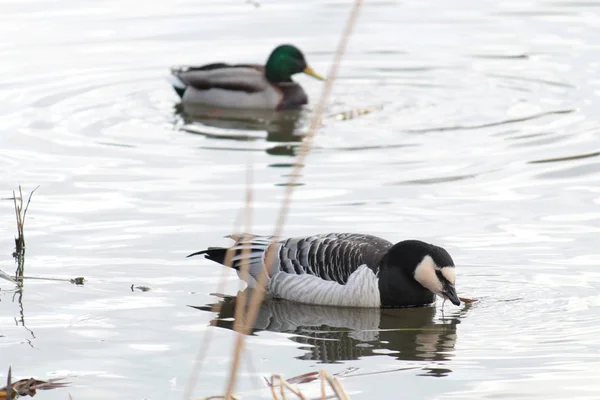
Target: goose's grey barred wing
[[247, 78], [331, 257]]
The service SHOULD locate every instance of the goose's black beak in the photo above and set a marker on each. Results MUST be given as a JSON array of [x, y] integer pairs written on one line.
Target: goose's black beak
[[450, 293]]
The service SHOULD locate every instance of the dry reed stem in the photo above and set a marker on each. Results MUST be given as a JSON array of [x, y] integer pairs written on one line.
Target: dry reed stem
[[283, 384], [315, 121], [335, 385], [239, 320], [333, 382], [9, 388], [277, 380], [323, 392], [273, 392], [215, 309]]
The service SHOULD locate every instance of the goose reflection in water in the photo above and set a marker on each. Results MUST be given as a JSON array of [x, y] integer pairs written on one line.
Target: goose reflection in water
[[244, 125], [336, 334]]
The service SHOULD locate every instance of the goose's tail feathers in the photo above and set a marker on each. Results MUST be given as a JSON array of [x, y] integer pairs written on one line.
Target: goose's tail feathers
[[216, 254]]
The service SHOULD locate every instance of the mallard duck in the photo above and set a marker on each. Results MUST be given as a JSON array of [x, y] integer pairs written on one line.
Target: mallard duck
[[246, 86], [346, 269]]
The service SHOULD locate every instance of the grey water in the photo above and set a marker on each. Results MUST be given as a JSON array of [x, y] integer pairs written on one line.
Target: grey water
[[483, 136]]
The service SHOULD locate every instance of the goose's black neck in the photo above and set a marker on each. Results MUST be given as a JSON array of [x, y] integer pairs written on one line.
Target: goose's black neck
[[397, 284], [396, 289]]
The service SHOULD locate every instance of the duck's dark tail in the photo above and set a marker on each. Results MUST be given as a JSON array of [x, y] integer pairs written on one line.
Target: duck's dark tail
[[178, 85]]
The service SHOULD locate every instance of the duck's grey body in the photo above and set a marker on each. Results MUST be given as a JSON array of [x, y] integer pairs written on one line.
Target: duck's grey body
[[340, 269], [242, 86]]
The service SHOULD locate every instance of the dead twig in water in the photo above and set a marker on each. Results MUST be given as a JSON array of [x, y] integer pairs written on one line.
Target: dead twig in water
[[19, 253], [304, 378], [28, 387], [20, 214], [77, 281]]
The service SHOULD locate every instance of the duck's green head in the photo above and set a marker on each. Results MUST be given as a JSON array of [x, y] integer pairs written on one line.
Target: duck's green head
[[285, 61]]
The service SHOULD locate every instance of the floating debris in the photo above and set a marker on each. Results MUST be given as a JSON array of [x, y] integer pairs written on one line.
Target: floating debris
[[304, 378], [140, 288], [28, 387], [78, 281], [351, 114], [467, 300]]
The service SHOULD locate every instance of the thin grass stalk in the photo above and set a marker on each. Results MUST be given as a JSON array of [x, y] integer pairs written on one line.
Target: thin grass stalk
[[18, 204], [20, 214], [323, 392], [216, 308], [20, 239], [273, 392], [17, 211], [335, 385], [21, 208], [239, 317], [281, 388], [245, 267], [259, 291], [27, 205]]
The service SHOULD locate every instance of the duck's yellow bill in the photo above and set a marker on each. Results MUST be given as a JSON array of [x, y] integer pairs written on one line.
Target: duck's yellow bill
[[309, 71]]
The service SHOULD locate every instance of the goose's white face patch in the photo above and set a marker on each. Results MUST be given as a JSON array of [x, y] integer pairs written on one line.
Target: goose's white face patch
[[450, 274], [425, 274]]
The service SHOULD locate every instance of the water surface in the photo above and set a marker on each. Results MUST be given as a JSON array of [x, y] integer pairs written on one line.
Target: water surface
[[482, 137]]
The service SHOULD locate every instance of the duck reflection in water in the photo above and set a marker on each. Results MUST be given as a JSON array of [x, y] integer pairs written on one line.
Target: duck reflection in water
[[336, 334], [281, 127]]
